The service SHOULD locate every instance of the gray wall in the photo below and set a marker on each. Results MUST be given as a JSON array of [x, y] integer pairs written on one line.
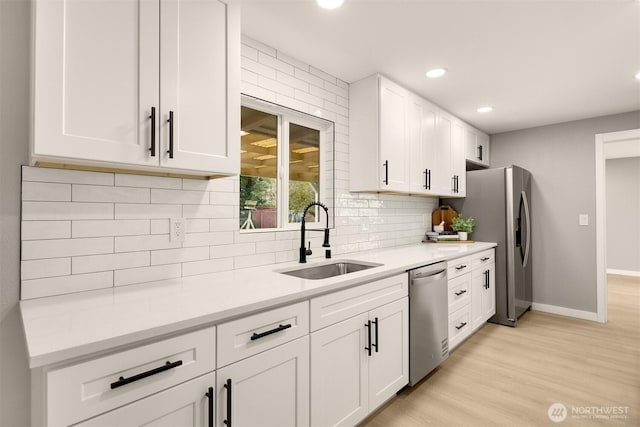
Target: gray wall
[[623, 214], [561, 159], [14, 136]]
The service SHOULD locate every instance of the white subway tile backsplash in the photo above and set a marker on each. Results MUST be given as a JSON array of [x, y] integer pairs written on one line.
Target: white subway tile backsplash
[[103, 228], [179, 197], [141, 211], [49, 286], [94, 263], [89, 230], [146, 274], [42, 230], [95, 193], [145, 181], [144, 243], [39, 249], [52, 267], [46, 191], [169, 256], [65, 176], [207, 266], [52, 211]]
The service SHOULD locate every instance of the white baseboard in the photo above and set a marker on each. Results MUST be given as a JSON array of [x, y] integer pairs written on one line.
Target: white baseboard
[[623, 272], [564, 311]]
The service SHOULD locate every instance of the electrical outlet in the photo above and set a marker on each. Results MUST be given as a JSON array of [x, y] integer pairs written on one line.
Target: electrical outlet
[[177, 229]]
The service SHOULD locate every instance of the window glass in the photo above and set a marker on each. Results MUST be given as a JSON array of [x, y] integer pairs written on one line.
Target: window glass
[[258, 169], [304, 171]]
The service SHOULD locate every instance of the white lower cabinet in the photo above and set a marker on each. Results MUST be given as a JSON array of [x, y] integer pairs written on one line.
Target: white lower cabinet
[[472, 295], [483, 300], [359, 363], [187, 405]]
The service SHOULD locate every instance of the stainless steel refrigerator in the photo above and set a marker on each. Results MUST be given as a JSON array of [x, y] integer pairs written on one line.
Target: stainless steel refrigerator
[[500, 201]]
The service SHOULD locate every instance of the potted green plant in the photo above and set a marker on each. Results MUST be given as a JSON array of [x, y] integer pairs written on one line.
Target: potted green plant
[[463, 226]]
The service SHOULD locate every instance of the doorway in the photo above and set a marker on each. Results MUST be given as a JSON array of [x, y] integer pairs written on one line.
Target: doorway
[[608, 145]]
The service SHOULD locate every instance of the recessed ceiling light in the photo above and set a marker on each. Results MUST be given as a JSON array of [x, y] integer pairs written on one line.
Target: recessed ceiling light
[[436, 72], [485, 109], [638, 75], [329, 4]]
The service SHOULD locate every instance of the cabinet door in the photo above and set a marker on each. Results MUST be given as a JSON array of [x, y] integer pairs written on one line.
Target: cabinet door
[[184, 405], [270, 389], [458, 160], [95, 81], [198, 89], [443, 181], [389, 362], [483, 296], [422, 134], [394, 144], [339, 377]]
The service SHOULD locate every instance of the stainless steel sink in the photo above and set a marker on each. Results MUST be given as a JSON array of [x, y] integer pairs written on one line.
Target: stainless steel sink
[[333, 269]]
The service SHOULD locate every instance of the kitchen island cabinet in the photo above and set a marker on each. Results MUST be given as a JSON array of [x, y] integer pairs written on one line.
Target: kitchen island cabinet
[[150, 85]]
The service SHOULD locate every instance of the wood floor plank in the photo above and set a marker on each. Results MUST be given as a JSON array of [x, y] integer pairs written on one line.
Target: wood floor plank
[[505, 376]]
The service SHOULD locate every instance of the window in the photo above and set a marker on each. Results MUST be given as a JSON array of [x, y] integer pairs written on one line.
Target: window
[[286, 163]]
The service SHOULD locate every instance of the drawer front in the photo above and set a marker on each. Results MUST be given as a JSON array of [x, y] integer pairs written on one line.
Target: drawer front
[[83, 390], [459, 292], [459, 266], [337, 306], [459, 326], [268, 329], [483, 258]]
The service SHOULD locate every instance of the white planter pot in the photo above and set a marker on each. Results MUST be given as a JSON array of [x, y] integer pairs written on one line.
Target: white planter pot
[[463, 235]]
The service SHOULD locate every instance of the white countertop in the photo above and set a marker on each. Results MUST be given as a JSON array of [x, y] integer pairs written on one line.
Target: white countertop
[[69, 326]]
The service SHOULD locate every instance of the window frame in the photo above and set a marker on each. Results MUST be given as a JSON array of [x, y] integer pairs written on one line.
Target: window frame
[[326, 160]]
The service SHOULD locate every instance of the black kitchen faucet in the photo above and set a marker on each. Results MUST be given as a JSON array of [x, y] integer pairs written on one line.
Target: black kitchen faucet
[[304, 251]]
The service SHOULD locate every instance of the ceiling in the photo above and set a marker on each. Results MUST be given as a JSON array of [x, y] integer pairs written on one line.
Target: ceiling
[[536, 62]]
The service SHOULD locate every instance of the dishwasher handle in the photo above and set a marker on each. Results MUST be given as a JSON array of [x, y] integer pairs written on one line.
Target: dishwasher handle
[[434, 277]]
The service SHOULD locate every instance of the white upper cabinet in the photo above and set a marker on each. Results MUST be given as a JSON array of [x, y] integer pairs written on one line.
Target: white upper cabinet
[[109, 75], [477, 146], [401, 143], [379, 150]]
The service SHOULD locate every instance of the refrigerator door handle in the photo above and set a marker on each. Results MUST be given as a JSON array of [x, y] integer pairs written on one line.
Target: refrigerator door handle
[[527, 249]]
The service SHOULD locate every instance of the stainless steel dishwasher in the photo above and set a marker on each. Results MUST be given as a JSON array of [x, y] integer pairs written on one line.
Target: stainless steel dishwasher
[[428, 319]]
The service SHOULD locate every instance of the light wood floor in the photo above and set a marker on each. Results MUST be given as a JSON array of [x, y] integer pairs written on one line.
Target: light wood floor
[[504, 376]]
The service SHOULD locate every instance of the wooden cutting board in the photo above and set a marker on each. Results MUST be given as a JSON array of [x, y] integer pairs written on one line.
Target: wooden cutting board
[[444, 213]]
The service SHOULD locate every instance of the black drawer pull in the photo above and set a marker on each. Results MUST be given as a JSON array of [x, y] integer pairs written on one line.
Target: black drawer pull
[[461, 325], [485, 258], [210, 397], [124, 381], [464, 291], [272, 331], [461, 267]]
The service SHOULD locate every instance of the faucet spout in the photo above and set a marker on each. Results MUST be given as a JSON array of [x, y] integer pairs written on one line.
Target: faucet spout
[[325, 244]]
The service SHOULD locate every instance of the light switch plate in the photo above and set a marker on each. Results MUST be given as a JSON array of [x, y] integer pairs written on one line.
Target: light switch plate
[[583, 219]]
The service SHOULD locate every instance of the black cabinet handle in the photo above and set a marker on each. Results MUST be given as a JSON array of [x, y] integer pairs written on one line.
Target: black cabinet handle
[[461, 325], [375, 322], [210, 397], [479, 152], [124, 381], [486, 258], [170, 121], [464, 291], [227, 385], [153, 132], [486, 279], [428, 179], [386, 172], [368, 326], [256, 336], [456, 188], [461, 267]]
